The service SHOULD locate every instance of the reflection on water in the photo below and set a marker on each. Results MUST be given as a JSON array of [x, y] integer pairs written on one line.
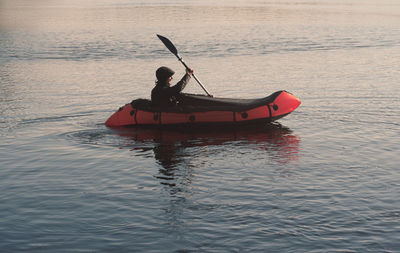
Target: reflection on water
[[178, 151], [181, 152], [170, 145]]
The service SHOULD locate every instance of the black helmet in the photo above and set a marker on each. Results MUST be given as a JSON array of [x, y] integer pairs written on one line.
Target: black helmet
[[163, 73]]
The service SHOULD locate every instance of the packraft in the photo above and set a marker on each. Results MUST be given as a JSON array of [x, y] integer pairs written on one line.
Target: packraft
[[199, 110]]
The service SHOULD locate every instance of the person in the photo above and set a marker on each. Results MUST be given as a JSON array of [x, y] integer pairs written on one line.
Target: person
[[163, 94]]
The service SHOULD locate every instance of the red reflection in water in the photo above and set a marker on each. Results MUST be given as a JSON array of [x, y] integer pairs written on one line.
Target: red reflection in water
[[170, 144]]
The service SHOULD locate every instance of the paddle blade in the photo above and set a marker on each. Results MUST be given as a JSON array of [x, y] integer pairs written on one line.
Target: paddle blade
[[169, 45]]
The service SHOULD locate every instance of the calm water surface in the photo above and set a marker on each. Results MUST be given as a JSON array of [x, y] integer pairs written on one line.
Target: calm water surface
[[324, 179]]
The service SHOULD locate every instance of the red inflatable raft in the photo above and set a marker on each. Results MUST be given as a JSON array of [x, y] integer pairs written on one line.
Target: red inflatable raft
[[200, 110]]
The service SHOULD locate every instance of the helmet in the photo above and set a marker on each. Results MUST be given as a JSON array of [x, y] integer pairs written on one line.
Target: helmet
[[163, 73]]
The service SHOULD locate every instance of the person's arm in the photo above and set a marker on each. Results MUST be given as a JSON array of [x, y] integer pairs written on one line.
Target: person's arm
[[182, 83]]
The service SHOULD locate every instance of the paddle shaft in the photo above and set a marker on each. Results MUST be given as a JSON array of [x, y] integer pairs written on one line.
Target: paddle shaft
[[195, 78], [173, 50]]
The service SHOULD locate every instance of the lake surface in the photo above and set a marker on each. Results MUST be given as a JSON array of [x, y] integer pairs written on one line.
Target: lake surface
[[325, 178]]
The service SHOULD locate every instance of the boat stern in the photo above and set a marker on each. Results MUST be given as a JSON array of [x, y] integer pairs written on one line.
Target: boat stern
[[122, 117]]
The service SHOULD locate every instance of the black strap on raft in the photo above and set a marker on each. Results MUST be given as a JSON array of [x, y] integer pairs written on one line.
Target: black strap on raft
[[269, 109]]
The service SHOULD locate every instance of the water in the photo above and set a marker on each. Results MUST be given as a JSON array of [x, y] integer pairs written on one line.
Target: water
[[325, 179]]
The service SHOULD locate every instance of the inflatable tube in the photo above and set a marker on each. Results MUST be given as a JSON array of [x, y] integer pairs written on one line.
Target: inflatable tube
[[200, 110]]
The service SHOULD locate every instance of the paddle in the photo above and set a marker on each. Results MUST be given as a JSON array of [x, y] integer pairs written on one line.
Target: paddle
[[173, 50]]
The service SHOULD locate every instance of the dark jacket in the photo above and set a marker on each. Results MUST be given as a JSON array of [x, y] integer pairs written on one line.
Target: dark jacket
[[163, 95]]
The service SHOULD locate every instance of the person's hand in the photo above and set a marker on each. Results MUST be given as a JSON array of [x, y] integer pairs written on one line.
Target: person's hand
[[189, 71]]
